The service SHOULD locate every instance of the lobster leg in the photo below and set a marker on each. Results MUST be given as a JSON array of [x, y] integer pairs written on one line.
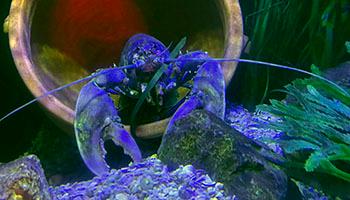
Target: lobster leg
[[208, 92], [96, 121]]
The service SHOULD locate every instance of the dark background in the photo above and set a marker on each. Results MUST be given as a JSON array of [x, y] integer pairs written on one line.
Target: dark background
[[16, 132]]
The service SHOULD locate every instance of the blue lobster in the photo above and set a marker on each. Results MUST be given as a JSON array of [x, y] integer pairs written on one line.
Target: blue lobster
[[97, 119]]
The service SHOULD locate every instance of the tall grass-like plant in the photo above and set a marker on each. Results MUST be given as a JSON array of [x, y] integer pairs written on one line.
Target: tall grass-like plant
[[299, 32], [295, 33]]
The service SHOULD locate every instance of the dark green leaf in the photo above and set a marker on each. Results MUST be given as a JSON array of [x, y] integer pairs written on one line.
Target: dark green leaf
[[347, 46], [143, 96], [175, 52], [315, 69], [313, 162], [338, 152], [292, 146], [151, 85]]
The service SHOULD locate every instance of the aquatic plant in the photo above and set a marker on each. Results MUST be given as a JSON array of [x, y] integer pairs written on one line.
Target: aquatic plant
[[313, 31], [152, 83], [293, 33], [347, 45], [315, 119]]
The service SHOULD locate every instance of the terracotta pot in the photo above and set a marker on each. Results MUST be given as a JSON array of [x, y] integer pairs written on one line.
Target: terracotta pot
[[56, 42]]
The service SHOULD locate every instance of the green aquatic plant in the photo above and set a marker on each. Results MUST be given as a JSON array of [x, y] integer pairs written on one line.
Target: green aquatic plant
[[315, 118], [347, 45], [291, 33], [311, 32]]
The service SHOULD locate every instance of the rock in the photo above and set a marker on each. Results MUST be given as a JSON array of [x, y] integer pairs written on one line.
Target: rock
[[208, 143], [23, 179], [250, 125], [339, 74], [308, 192]]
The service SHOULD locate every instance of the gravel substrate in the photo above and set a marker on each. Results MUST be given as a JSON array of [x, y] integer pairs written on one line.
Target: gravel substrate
[[146, 180], [250, 125]]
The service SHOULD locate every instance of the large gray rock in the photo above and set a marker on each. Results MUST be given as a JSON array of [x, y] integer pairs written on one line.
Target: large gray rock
[[207, 142], [23, 179]]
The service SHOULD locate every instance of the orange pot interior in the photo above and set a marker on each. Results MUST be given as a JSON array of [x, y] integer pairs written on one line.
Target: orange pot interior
[[72, 38], [93, 32]]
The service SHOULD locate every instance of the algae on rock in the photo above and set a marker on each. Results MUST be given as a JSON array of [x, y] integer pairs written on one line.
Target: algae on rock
[[23, 179], [208, 143]]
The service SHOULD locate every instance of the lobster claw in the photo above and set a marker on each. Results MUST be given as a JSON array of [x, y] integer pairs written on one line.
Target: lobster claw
[[123, 138], [97, 120], [208, 92]]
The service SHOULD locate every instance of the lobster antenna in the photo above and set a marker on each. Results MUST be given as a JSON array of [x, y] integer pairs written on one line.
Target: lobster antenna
[[266, 64], [63, 87]]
